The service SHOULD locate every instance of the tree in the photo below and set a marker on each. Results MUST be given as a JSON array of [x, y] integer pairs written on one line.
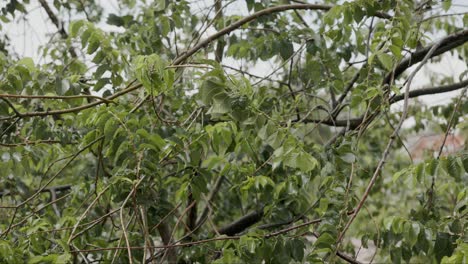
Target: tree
[[158, 141]]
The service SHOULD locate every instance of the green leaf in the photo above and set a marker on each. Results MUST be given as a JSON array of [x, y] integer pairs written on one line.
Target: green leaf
[[431, 166], [210, 88], [85, 36], [100, 55], [397, 225], [323, 206], [155, 139], [286, 49], [419, 171], [228, 257], [459, 256], [165, 25], [75, 27], [411, 232], [100, 84], [306, 162], [396, 51], [115, 20], [94, 43], [213, 161], [250, 4], [347, 15], [395, 254], [221, 137], [64, 258], [358, 13], [263, 181], [61, 86], [4, 19], [28, 62], [276, 139], [221, 104], [444, 245], [296, 248], [348, 157], [446, 4], [100, 71], [122, 149], [159, 5], [325, 240], [149, 71], [386, 60], [109, 128], [17, 82], [52, 258], [397, 175]]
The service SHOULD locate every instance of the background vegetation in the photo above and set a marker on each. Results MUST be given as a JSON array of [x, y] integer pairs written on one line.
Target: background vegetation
[[187, 135]]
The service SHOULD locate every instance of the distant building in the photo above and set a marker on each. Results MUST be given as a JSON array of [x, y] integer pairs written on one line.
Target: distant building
[[428, 146]]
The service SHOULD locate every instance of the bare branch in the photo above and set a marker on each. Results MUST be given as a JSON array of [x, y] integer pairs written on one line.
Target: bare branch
[[57, 23], [69, 97], [379, 167], [448, 43], [431, 90], [78, 108]]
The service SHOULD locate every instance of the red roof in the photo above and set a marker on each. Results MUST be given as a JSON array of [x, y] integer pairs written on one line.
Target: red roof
[[430, 145]]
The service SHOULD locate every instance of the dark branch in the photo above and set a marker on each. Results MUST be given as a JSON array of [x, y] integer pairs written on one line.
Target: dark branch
[[342, 255], [214, 191], [431, 90], [347, 258], [18, 114], [57, 23], [353, 123], [446, 44], [242, 223]]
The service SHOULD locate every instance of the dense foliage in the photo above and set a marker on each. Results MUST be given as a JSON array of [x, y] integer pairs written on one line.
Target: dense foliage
[[231, 132]]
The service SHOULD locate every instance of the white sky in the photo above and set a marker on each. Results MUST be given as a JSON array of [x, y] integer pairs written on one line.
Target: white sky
[[28, 36]]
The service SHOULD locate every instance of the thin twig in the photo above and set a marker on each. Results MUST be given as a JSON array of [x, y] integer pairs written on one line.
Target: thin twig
[[67, 97], [78, 108], [390, 143]]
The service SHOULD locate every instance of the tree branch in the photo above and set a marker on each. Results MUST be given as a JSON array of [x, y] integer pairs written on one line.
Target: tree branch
[[185, 55], [340, 254], [165, 233], [242, 223], [386, 152], [268, 11], [54, 97], [446, 44], [220, 45], [78, 108], [57, 23], [267, 236], [355, 122], [431, 90], [214, 191]]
